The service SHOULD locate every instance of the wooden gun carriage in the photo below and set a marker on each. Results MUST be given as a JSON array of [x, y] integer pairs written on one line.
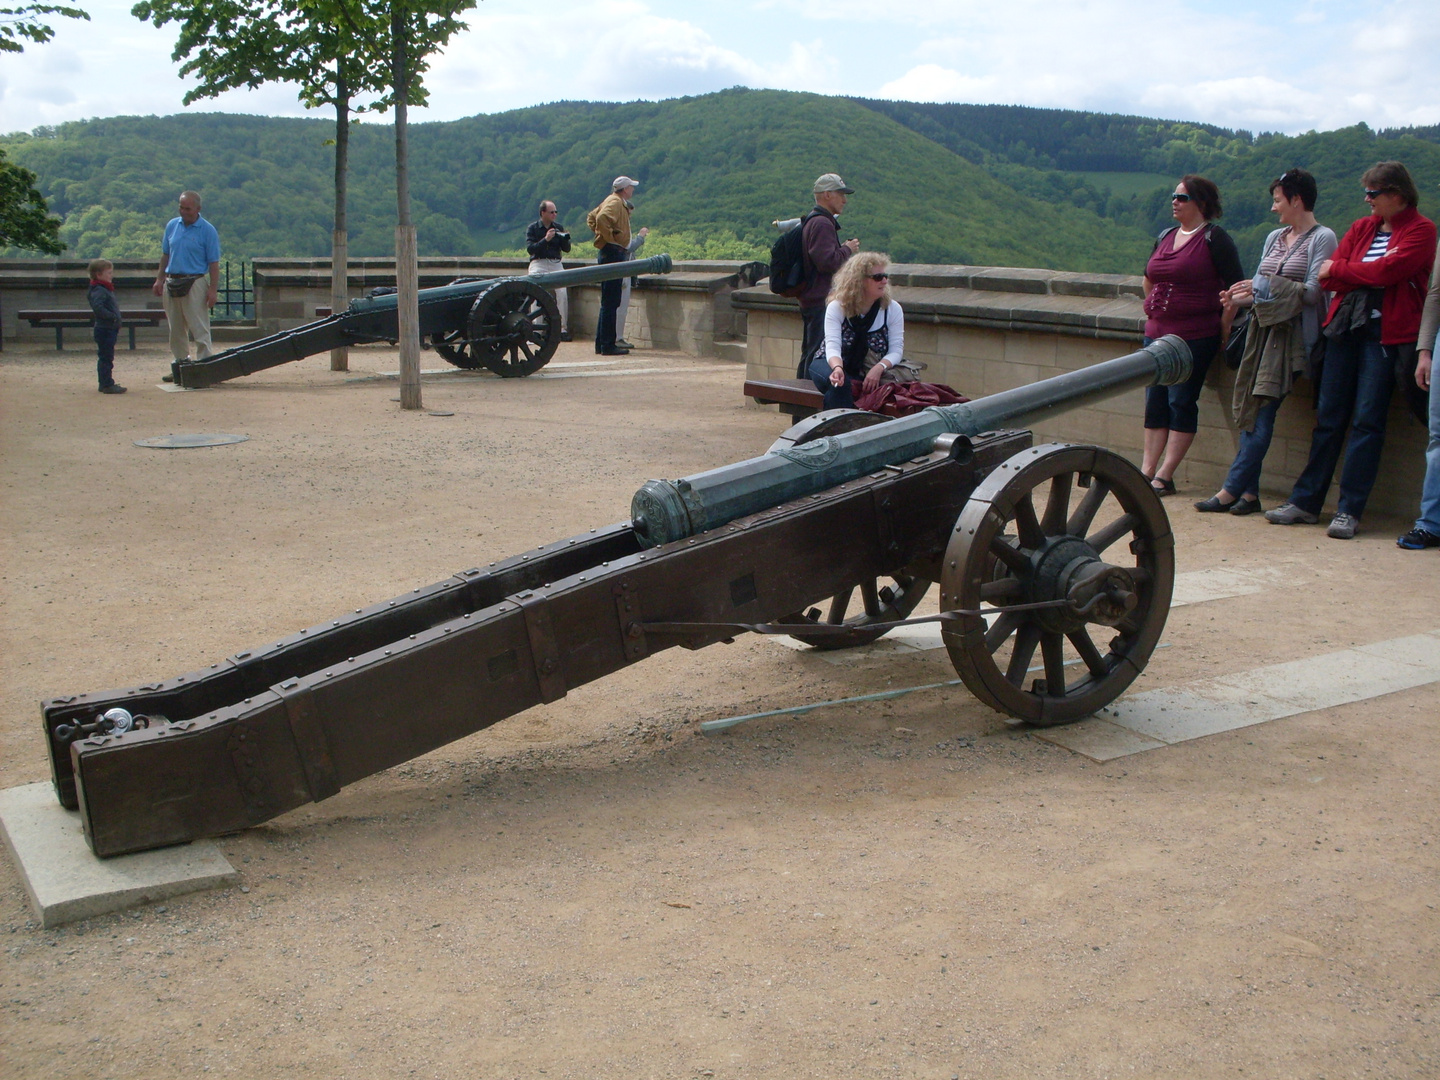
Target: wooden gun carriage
[[833, 536]]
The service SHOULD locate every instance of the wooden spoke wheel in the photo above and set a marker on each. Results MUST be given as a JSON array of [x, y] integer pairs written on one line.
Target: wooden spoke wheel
[[454, 347], [514, 328], [879, 600], [1076, 524]]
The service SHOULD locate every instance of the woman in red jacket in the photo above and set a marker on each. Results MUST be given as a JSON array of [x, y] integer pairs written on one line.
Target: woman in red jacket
[[1378, 275]]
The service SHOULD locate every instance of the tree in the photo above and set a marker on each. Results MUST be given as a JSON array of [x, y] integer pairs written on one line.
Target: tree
[[246, 43], [25, 22], [402, 35], [25, 220]]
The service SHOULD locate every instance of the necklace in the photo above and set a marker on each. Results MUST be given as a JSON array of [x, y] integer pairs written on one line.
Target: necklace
[[1191, 232]]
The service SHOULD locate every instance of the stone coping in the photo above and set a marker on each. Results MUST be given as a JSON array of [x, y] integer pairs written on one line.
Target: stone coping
[[1002, 298]]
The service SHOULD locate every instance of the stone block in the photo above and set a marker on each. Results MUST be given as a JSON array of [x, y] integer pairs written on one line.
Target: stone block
[[1031, 349], [66, 882]]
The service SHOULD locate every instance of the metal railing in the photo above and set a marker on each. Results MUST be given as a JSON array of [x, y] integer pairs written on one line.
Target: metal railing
[[236, 301]]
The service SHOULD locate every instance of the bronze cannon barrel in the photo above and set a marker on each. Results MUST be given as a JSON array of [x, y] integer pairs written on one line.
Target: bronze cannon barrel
[[664, 511]]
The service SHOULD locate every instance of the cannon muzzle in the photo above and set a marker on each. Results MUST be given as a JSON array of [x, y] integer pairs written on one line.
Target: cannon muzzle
[[664, 511]]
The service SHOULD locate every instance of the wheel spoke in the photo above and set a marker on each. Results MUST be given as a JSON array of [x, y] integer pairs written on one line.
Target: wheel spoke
[[1088, 652], [1052, 647], [871, 596], [1007, 588], [1001, 548], [1103, 537], [1027, 524], [1057, 505], [1026, 638], [1001, 629], [838, 603], [1084, 515]]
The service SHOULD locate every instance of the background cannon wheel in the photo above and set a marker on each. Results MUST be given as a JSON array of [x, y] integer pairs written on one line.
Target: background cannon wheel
[[1097, 535], [514, 328], [454, 347], [872, 601], [822, 424]]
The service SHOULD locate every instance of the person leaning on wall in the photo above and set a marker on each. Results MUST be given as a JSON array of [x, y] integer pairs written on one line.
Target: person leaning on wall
[[1192, 262], [1377, 278]]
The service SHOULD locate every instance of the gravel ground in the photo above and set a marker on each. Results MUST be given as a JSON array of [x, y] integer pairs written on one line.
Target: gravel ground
[[593, 889]]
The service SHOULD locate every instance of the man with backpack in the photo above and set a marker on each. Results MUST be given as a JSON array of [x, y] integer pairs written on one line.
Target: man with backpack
[[822, 254]]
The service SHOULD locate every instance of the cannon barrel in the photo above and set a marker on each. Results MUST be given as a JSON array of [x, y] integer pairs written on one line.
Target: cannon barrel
[[664, 511], [510, 325]]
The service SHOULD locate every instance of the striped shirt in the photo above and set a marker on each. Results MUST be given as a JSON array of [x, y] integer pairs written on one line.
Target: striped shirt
[[1376, 251], [1290, 262]]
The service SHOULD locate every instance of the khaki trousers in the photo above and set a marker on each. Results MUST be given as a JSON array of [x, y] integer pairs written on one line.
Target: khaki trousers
[[189, 315], [562, 298]]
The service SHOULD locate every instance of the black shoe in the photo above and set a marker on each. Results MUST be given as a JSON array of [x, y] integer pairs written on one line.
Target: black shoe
[[614, 352], [1417, 539], [621, 343], [167, 378], [1162, 487], [1213, 505], [113, 388], [1242, 506], [566, 336]]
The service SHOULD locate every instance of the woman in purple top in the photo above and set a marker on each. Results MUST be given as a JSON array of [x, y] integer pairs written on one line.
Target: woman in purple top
[[1193, 261]]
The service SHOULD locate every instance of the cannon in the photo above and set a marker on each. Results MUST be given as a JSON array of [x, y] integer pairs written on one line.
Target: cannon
[[832, 536], [509, 325]]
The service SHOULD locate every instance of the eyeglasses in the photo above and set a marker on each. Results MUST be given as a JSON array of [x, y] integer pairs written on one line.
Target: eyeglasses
[[1180, 196], [879, 277], [1370, 193]]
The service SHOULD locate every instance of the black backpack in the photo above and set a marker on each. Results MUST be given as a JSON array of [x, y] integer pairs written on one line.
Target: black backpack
[[788, 276]]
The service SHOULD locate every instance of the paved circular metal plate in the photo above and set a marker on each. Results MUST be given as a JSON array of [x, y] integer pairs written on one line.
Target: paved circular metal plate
[[185, 442]]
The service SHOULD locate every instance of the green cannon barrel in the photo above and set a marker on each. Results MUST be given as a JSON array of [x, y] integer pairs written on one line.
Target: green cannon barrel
[[664, 511], [513, 319]]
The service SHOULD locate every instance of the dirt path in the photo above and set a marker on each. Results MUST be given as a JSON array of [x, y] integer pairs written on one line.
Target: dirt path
[[593, 889]]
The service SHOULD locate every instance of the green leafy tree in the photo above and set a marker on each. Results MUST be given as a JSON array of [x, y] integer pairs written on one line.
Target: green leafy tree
[[28, 21], [25, 220], [246, 43]]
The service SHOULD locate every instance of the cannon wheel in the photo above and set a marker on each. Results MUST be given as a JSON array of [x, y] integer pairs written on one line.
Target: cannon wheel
[[514, 328], [879, 603], [454, 347], [1010, 547], [881, 600]]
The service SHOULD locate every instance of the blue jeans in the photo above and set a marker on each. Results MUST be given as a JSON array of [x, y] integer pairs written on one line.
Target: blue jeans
[[105, 338], [1177, 408], [836, 397], [1356, 385], [1244, 475], [1429, 519]]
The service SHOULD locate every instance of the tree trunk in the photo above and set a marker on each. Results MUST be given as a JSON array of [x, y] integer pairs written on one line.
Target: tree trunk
[[340, 239], [407, 271]]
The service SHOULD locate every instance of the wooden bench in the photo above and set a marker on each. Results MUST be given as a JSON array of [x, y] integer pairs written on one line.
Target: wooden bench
[[798, 397], [61, 318]]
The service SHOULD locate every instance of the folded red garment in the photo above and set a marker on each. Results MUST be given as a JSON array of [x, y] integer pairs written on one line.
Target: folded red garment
[[902, 399]]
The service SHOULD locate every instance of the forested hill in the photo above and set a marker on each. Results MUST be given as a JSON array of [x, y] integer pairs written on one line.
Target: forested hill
[[936, 183]]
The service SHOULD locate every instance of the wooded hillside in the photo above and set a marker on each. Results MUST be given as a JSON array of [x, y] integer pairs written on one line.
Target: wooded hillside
[[935, 183]]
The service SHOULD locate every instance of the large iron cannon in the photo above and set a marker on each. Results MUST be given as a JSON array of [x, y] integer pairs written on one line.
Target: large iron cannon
[[1057, 549], [509, 325]]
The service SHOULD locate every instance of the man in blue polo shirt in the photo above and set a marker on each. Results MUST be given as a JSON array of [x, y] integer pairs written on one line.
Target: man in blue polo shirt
[[189, 252]]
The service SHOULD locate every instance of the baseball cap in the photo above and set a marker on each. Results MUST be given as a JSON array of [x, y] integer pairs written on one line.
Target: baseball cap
[[832, 182], [623, 181]]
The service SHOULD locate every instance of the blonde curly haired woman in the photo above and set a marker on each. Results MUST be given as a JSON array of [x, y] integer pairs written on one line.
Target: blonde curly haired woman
[[864, 331]]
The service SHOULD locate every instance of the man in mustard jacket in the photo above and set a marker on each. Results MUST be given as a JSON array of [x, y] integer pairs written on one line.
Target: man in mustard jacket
[[610, 222]]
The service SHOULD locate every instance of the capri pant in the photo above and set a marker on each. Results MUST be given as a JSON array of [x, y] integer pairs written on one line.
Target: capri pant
[[1177, 408]]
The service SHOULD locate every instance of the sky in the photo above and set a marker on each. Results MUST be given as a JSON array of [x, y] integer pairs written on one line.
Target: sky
[[1294, 67]]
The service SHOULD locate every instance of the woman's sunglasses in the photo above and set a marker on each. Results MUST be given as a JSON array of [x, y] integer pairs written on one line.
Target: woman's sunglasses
[[879, 277], [1180, 196]]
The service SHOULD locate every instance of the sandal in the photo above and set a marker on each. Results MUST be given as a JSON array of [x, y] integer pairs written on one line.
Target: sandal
[[1162, 487]]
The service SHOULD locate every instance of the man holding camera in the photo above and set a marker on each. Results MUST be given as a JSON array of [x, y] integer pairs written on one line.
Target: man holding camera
[[546, 242]]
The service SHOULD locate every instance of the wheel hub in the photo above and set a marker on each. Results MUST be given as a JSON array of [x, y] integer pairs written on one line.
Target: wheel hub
[[1067, 568]]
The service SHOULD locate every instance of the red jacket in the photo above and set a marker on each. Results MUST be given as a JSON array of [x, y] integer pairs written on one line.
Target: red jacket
[[1403, 272]]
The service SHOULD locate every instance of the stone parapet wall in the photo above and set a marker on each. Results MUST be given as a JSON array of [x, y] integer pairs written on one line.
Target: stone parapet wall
[[986, 329], [27, 284]]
